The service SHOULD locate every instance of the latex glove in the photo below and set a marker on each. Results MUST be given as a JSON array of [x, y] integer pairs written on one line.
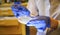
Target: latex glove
[[41, 23], [22, 13], [19, 10]]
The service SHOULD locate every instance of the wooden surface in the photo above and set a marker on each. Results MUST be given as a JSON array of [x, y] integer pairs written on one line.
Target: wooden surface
[[23, 29], [8, 21], [10, 30], [6, 12], [33, 30], [8, 5], [56, 31], [10, 26], [13, 30]]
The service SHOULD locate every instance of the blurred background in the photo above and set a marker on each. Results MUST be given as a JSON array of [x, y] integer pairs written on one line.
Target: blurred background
[[9, 24]]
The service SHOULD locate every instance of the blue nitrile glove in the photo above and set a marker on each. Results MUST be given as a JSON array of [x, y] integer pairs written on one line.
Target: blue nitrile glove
[[17, 3], [19, 10], [41, 23], [22, 13]]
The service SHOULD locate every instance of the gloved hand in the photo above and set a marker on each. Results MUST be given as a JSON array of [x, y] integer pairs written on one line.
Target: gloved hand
[[22, 13], [41, 23], [19, 10], [42, 26]]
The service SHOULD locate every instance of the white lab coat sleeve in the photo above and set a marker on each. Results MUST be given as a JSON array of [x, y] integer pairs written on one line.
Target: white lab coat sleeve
[[47, 8], [43, 7], [32, 8], [40, 5]]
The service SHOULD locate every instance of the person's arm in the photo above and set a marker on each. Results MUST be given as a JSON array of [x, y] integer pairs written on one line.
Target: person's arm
[[43, 7], [32, 7]]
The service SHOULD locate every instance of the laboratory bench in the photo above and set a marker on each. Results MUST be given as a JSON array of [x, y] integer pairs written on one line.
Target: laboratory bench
[[10, 25]]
